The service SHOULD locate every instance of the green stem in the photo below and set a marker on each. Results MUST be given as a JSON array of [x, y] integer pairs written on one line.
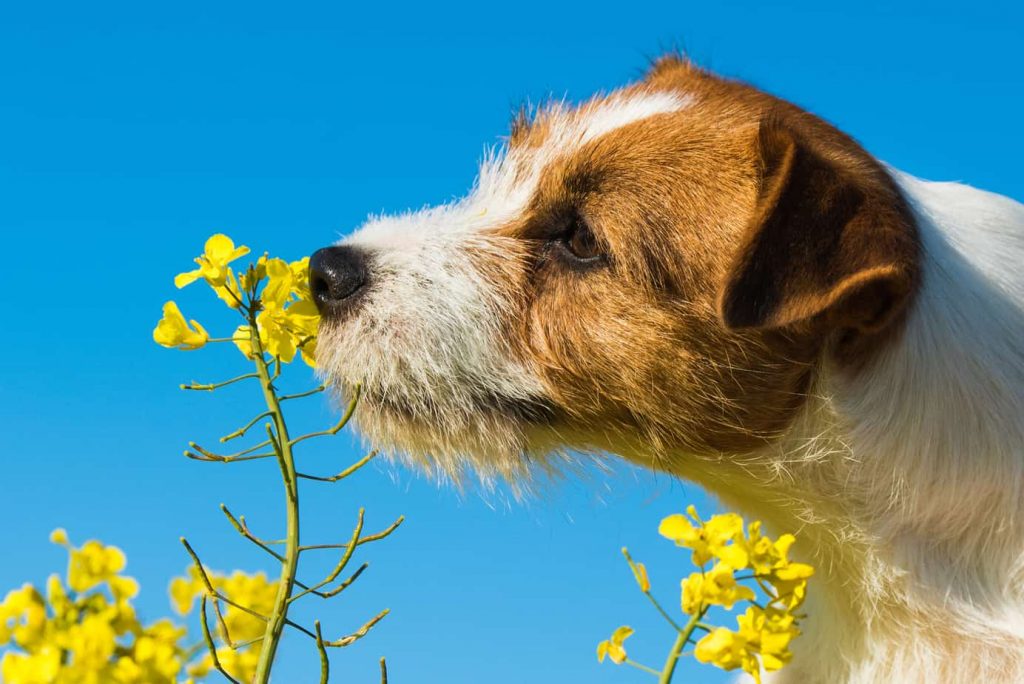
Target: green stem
[[642, 667], [289, 565], [677, 648]]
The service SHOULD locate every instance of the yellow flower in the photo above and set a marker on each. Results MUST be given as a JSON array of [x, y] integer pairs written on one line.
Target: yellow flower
[[123, 588], [640, 573], [184, 590], [279, 283], [613, 648], [91, 643], [765, 633], [763, 554], [155, 656], [88, 636], [693, 593], [92, 564], [770, 560], [218, 252], [771, 631], [707, 540], [300, 278], [276, 335], [308, 351], [173, 331], [253, 591], [241, 664], [59, 536], [790, 582], [63, 607], [286, 279], [243, 340], [254, 274], [22, 617], [286, 326], [42, 665], [284, 331], [728, 650], [716, 587]]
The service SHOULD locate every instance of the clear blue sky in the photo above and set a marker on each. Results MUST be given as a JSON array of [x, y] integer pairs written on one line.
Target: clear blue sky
[[131, 131]]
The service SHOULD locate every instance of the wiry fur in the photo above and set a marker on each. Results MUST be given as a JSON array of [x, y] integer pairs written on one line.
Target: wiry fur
[[900, 468]]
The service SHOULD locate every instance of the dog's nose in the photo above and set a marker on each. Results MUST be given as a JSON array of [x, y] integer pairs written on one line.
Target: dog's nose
[[335, 274]]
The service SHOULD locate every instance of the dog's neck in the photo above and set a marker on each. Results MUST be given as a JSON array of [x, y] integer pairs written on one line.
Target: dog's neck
[[904, 480]]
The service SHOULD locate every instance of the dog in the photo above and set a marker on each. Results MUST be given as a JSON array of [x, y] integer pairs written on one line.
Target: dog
[[708, 281]]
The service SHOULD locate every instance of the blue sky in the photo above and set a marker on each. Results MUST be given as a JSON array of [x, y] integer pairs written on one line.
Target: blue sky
[[129, 132]]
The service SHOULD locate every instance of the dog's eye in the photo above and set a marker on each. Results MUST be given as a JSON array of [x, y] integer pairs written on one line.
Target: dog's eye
[[580, 242]]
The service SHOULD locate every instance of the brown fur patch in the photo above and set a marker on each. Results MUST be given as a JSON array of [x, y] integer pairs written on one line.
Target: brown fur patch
[[739, 207]]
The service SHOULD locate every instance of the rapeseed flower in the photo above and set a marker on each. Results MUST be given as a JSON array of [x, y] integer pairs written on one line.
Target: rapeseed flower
[[613, 648], [218, 252], [87, 631], [173, 331], [764, 631]]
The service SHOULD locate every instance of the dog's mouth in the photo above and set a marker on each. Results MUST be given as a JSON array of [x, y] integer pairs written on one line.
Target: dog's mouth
[[489, 435], [424, 411]]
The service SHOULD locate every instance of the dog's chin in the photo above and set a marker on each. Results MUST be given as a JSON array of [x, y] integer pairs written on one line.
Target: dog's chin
[[489, 436]]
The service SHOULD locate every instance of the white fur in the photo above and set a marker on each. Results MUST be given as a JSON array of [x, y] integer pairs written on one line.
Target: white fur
[[906, 477]]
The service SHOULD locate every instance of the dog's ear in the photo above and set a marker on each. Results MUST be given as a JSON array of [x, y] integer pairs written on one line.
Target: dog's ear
[[830, 242]]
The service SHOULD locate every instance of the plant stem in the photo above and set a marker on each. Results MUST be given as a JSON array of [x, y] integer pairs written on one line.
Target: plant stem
[[283, 447], [677, 648]]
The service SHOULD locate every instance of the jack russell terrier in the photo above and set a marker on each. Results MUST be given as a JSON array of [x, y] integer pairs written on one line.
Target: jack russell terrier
[[713, 283]]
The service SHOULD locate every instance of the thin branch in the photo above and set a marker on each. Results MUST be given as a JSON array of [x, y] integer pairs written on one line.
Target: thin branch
[[274, 442], [212, 647], [300, 395], [228, 458], [302, 629], [344, 585], [364, 540], [215, 459], [349, 410], [647, 592], [199, 566], [344, 473], [216, 594], [643, 668], [209, 387], [232, 644], [345, 557], [243, 529], [325, 664], [245, 428], [359, 633], [383, 671]]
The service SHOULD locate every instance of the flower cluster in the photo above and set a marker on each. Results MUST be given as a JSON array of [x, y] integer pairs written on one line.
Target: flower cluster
[[84, 628], [287, 319], [728, 554], [279, 322]]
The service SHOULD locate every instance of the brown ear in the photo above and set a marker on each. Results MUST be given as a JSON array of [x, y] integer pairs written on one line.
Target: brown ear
[[831, 241]]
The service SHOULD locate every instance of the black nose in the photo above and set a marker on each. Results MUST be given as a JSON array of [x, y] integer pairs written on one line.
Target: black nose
[[335, 274]]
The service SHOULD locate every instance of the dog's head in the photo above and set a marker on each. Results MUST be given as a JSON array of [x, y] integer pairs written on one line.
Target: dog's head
[[657, 271]]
